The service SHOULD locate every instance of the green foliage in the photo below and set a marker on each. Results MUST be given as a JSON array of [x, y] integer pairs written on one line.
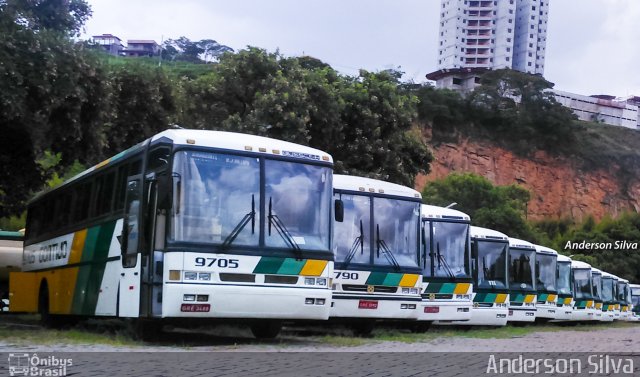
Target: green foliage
[[502, 208], [184, 49], [621, 261], [63, 16]]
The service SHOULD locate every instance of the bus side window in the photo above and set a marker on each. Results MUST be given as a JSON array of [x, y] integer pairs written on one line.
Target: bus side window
[[131, 225]]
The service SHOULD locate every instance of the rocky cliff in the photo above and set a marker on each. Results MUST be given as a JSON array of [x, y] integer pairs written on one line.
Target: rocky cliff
[[559, 187]]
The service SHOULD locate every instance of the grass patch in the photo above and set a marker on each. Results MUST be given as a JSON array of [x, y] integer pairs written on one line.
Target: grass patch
[[343, 341], [72, 336]]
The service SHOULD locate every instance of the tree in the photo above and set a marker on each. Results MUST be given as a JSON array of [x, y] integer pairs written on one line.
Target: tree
[[502, 208], [64, 16], [184, 49]]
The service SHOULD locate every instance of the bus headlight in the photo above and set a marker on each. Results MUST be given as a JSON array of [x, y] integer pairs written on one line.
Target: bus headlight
[[204, 276], [413, 291], [309, 281], [463, 297], [321, 281], [189, 298], [189, 275], [405, 291]]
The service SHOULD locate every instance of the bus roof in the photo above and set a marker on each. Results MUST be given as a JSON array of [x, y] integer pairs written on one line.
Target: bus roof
[[242, 142], [369, 185], [622, 280], [435, 212], [215, 139], [479, 232], [563, 258], [580, 264], [545, 250], [634, 285], [596, 271], [520, 244], [605, 274]]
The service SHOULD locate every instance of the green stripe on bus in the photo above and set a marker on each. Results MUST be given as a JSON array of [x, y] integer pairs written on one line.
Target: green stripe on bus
[[392, 279], [543, 297], [519, 297], [95, 251], [440, 288], [376, 278], [268, 265], [290, 266]]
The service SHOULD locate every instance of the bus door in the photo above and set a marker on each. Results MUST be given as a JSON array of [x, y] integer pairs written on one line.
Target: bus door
[[129, 291]]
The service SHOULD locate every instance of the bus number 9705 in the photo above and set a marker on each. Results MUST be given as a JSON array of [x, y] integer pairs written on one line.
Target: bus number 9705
[[220, 262]]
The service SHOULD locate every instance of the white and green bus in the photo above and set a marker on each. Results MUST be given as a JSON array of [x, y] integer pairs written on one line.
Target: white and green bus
[[489, 255], [546, 284], [635, 301], [187, 225], [583, 302], [565, 289], [445, 260], [624, 299], [609, 303], [522, 281], [596, 289], [376, 244]]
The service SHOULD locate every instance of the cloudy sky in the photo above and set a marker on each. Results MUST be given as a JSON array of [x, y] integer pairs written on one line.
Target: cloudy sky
[[592, 45]]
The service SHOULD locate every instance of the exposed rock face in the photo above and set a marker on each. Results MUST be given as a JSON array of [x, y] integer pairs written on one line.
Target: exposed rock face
[[559, 188]]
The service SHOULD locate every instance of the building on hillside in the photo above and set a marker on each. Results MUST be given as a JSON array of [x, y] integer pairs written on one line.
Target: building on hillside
[[476, 36], [142, 47], [111, 44], [602, 108]]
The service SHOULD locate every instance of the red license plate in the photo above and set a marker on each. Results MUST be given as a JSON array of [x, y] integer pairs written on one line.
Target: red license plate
[[195, 308], [432, 309], [367, 304]]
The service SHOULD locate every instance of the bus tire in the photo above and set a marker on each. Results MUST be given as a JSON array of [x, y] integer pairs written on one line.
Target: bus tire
[[47, 319], [363, 328], [420, 327], [266, 329]]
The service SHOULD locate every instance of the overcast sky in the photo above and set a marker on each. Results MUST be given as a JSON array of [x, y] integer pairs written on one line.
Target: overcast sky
[[592, 45]]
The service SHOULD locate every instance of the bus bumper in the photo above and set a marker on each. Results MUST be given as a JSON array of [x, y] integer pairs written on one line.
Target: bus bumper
[[522, 314], [582, 314], [348, 306], [444, 310], [547, 311], [229, 301], [563, 313]]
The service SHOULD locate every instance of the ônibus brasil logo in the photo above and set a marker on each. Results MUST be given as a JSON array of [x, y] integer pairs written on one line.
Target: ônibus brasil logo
[[24, 364]]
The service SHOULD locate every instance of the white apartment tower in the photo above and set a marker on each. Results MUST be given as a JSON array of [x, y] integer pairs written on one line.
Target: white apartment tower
[[479, 35]]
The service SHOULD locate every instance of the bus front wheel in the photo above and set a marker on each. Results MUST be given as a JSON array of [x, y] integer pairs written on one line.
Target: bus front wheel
[[266, 329]]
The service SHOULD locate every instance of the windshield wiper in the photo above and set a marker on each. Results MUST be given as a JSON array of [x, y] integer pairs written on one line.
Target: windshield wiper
[[359, 241], [443, 262], [282, 231], [238, 228], [385, 250]]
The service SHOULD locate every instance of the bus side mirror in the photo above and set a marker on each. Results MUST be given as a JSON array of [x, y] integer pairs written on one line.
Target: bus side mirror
[[165, 191], [339, 210]]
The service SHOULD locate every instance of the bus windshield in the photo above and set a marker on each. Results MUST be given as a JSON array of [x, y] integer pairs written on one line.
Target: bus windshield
[[546, 272], [596, 284], [621, 292], [449, 249], [564, 278], [491, 264], [395, 240], [582, 281], [351, 240], [219, 201], [521, 269], [607, 289]]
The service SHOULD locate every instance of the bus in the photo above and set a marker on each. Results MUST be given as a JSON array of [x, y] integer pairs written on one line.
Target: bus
[[10, 261], [546, 286], [522, 281], [624, 299], [596, 290], [489, 254], [445, 260], [187, 225], [583, 303], [635, 300], [565, 289], [376, 243], [609, 284]]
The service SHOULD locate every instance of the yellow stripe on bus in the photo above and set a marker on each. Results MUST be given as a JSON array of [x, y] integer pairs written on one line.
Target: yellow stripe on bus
[[461, 288], [76, 247], [409, 280], [501, 298], [313, 267], [551, 298], [530, 298]]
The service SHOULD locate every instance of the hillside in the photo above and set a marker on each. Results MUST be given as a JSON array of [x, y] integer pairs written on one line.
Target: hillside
[[600, 176]]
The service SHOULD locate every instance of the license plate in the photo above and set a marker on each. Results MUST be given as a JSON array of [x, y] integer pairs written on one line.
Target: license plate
[[510, 312], [199, 308], [367, 304], [432, 309]]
